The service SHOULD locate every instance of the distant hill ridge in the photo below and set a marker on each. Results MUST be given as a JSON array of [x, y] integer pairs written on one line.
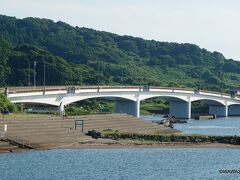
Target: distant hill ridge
[[76, 55]]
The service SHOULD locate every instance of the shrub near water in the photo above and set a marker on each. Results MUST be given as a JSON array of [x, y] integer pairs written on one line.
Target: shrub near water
[[171, 138]]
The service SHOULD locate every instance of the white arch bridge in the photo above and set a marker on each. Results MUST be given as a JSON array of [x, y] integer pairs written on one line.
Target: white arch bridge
[[128, 98]]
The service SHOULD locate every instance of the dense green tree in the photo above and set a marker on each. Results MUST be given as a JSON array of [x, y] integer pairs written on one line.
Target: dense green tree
[[5, 104], [5, 49], [85, 56]]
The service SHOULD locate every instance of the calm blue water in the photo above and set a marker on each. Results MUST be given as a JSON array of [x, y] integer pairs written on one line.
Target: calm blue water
[[221, 126], [137, 164]]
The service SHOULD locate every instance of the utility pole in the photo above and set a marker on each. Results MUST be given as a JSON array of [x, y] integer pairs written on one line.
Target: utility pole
[[34, 77], [98, 72], [200, 77], [122, 77], [29, 73], [44, 75], [81, 79]]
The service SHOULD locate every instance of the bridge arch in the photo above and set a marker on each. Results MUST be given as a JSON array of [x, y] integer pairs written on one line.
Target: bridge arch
[[179, 104], [164, 96], [215, 106], [123, 104], [71, 99], [37, 102], [209, 101]]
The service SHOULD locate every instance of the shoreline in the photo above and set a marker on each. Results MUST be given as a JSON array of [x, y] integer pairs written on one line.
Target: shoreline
[[125, 144]]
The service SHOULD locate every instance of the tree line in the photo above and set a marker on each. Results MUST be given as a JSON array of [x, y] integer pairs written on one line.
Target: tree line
[[75, 55]]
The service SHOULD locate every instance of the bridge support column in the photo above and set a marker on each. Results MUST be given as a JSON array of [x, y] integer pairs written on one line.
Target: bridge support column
[[128, 107], [61, 108], [180, 109], [234, 110], [219, 110]]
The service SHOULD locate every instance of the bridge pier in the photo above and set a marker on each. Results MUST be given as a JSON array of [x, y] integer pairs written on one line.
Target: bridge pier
[[127, 106], [61, 108], [180, 109], [219, 110], [234, 110]]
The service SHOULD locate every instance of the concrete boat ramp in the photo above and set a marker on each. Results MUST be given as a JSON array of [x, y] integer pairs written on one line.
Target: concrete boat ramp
[[46, 132]]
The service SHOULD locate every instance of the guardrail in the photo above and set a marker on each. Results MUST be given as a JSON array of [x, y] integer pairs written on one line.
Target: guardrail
[[12, 90], [53, 88], [213, 92]]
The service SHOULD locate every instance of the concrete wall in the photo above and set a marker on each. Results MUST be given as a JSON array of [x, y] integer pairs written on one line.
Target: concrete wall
[[180, 109], [219, 110]]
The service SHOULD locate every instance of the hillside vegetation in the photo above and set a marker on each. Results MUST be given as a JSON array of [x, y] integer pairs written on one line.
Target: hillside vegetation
[[76, 55]]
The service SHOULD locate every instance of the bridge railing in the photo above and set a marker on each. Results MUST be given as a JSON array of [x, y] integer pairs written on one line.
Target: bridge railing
[[58, 88], [26, 89], [34, 89], [171, 88], [135, 87], [214, 93]]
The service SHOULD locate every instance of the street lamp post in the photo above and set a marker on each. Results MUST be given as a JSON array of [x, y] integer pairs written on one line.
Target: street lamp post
[[34, 77], [44, 76], [29, 73], [98, 72], [122, 77], [81, 79]]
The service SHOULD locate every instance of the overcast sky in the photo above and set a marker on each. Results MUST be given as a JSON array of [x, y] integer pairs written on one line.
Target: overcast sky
[[211, 24]]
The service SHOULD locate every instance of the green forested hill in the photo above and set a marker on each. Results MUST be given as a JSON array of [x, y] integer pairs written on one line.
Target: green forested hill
[[76, 55]]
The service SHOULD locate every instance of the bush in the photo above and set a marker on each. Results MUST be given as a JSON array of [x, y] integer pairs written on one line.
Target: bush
[[74, 111], [6, 105], [172, 138]]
